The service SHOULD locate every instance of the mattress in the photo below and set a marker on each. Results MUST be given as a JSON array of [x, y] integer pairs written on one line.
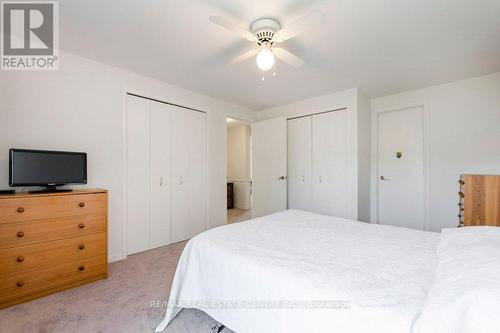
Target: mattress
[[296, 271]]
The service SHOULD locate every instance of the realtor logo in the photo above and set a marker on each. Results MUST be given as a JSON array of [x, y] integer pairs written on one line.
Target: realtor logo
[[30, 35]]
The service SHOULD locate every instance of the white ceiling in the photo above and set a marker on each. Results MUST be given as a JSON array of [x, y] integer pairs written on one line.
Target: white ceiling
[[380, 46]]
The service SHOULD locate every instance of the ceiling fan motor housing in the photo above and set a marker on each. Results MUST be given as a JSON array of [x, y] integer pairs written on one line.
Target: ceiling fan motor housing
[[265, 30]]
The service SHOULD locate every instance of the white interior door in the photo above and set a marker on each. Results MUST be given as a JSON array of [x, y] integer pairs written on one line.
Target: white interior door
[[300, 163], [188, 173], [329, 151], [269, 148], [400, 168], [160, 174], [138, 175]]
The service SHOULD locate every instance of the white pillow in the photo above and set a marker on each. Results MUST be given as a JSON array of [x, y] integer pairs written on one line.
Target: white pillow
[[465, 295]]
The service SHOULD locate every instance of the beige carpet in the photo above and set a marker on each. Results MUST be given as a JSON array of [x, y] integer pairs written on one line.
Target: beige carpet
[[238, 215], [122, 303]]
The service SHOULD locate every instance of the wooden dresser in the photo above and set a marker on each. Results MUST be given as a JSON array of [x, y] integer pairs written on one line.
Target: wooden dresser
[[479, 197], [50, 242]]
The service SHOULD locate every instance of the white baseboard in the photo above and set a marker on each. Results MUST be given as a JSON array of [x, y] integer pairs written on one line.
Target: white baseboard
[[116, 257]]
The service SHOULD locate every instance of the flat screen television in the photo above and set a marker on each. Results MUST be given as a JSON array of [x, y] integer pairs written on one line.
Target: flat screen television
[[46, 168]]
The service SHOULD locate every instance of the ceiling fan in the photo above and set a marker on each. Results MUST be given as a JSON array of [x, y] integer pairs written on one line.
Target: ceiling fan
[[267, 33]]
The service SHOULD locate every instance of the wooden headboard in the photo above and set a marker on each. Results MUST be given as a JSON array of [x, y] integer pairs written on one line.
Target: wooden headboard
[[479, 200]]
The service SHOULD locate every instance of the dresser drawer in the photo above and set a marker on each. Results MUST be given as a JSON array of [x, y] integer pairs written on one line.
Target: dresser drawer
[[36, 208], [24, 233], [28, 285], [43, 255]]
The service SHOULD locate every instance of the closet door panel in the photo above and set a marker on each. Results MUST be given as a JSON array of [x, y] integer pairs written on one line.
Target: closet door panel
[[160, 174], [320, 129], [300, 163], [337, 164], [138, 174], [188, 173], [329, 133]]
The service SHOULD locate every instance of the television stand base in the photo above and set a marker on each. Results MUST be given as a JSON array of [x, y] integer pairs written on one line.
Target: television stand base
[[51, 189]]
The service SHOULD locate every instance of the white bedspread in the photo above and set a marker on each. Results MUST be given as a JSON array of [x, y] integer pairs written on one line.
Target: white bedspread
[[465, 295], [377, 275]]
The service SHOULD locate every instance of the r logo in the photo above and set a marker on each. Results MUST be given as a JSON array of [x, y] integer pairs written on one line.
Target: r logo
[[29, 35], [28, 28]]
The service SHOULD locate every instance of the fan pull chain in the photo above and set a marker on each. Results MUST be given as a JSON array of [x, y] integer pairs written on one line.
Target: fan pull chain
[[263, 78]]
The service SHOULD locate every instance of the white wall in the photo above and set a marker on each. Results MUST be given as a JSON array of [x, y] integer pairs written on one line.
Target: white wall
[[238, 164], [358, 140], [80, 108], [364, 137], [338, 100], [238, 152], [464, 137]]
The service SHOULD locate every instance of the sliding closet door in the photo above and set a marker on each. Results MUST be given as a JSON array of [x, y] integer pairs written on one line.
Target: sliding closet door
[[160, 174], [300, 163], [188, 173], [138, 175], [329, 151]]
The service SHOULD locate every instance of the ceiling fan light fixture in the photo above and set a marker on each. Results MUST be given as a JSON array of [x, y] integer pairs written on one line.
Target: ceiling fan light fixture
[[265, 58], [266, 32]]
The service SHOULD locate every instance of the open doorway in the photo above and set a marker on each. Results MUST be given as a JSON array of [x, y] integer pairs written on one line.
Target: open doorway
[[239, 170]]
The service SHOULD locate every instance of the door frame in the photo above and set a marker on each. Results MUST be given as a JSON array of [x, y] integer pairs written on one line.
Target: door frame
[[374, 188], [249, 124]]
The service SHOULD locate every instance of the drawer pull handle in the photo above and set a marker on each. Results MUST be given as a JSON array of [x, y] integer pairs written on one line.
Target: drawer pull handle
[[20, 209], [81, 247], [81, 268], [20, 259], [81, 204], [20, 234], [81, 226], [20, 284]]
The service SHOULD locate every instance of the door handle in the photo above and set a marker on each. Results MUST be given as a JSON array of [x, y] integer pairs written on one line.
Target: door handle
[[161, 181], [383, 178], [281, 178]]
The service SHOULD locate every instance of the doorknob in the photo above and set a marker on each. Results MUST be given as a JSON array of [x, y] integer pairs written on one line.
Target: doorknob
[[383, 178]]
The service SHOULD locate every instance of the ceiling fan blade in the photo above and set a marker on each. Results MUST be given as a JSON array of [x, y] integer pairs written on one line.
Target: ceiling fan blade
[[229, 25], [314, 18], [245, 56], [288, 57]]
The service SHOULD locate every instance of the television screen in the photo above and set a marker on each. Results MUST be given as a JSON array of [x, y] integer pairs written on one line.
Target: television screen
[[43, 168]]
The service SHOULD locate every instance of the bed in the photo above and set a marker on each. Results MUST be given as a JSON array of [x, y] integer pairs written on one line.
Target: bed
[[296, 271]]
